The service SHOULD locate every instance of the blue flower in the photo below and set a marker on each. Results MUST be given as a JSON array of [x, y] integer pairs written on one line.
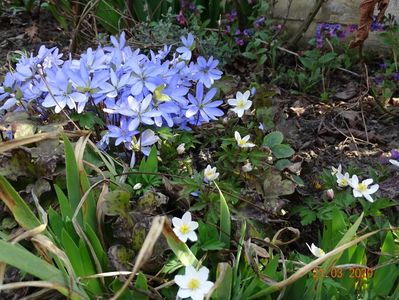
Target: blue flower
[[145, 76], [62, 95], [207, 72], [203, 106], [139, 112], [185, 52], [121, 132], [143, 144], [112, 89]]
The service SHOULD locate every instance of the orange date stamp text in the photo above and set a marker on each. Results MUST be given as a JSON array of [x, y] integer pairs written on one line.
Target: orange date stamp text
[[341, 273]]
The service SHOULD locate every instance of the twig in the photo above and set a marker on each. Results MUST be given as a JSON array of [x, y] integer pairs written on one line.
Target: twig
[[305, 25]]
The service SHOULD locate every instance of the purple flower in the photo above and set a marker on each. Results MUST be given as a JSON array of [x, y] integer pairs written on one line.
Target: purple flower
[[239, 41], [396, 76], [383, 66], [207, 72], [376, 26], [203, 106], [352, 28], [247, 32], [379, 80], [181, 19], [395, 154], [260, 22]]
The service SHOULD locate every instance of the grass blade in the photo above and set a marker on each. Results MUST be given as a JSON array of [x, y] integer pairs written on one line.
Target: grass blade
[[225, 221], [20, 210], [72, 177], [19, 257]]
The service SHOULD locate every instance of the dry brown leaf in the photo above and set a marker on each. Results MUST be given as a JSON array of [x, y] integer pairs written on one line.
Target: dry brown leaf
[[31, 31], [366, 12]]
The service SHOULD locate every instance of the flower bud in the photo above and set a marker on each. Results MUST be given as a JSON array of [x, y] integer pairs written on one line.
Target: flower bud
[[137, 186], [247, 167], [330, 194], [180, 149]]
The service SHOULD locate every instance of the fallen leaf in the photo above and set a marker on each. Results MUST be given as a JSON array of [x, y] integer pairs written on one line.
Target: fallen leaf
[[31, 31]]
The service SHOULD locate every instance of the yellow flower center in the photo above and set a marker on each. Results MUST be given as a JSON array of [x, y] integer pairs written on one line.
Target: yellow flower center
[[240, 103], [362, 187], [344, 181], [242, 142], [322, 252], [193, 284], [184, 229]]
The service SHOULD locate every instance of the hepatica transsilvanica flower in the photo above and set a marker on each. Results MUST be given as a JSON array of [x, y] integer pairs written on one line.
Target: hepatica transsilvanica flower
[[133, 89]]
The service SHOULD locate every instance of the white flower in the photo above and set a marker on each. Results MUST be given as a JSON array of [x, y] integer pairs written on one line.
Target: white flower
[[193, 283], [243, 142], [184, 228], [362, 189], [137, 186], [210, 173], [247, 167], [336, 171], [343, 180], [318, 252], [241, 103], [394, 162], [330, 194], [180, 149]]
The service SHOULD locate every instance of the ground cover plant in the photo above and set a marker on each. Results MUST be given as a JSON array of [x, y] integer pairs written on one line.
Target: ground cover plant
[[197, 156]]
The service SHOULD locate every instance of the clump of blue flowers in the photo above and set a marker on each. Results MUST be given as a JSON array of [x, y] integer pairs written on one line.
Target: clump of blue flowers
[[134, 90]]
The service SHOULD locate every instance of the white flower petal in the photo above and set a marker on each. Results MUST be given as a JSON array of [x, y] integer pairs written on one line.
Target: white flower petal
[[186, 217]]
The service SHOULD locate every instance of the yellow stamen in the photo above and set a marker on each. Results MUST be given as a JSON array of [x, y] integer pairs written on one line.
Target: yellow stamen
[[193, 284], [362, 187], [184, 229], [240, 103]]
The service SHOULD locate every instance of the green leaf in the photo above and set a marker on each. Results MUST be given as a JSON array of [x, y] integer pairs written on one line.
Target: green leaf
[[180, 249], [212, 245], [249, 55], [93, 285], [223, 291], [72, 251], [282, 164], [108, 16], [272, 139], [282, 151], [87, 119], [337, 224], [90, 206], [96, 244], [65, 206], [326, 58], [19, 257], [225, 221], [72, 177], [18, 207], [55, 222], [141, 284], [384, 278]]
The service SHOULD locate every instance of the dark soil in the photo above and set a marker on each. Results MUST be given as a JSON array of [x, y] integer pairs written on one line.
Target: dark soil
[[22, 32]]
